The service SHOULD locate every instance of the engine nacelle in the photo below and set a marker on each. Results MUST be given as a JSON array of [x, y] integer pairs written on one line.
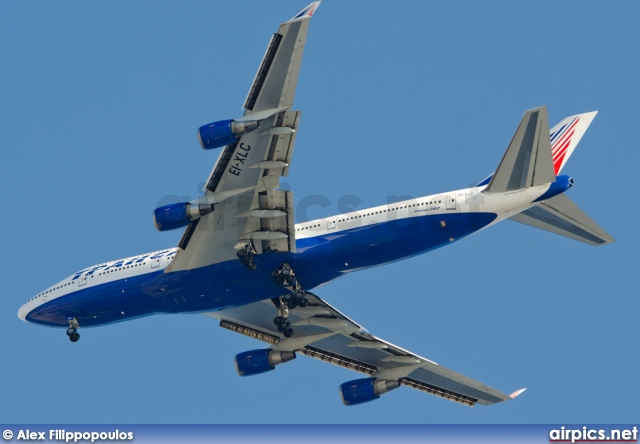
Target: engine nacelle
[[178, 215], [359, 391], [223, 132], [254, 362]]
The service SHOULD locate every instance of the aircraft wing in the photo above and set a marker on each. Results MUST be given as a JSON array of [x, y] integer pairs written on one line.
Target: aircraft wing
[[242, 187], [322, 332]]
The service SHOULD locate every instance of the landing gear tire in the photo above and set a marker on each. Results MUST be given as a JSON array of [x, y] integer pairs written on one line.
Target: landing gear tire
[[304, 302], [278, 320], [288, 333], [74, 337], [71, 331]]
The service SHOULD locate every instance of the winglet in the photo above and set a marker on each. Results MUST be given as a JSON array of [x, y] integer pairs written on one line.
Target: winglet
[[306, 12], [516, 393]]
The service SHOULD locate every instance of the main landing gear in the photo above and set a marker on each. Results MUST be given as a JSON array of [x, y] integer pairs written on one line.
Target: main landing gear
[[286, 277], [282, 320], [72, 331], [246, 255]]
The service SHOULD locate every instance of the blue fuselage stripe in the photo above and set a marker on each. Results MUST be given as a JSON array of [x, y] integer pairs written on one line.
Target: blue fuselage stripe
[[318, 260]]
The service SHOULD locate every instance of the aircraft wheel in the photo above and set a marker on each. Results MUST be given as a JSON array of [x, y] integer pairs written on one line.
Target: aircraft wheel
[[74, 337], [241, 254], [71, 331], [304, 302], [278, 320], [288, 333], [286, 325]]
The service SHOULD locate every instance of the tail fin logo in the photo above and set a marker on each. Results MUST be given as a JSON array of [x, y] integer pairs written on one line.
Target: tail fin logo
[[308, 11], [560, 142]]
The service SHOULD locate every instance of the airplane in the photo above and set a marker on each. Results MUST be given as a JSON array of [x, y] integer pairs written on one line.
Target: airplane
[[244, 262]]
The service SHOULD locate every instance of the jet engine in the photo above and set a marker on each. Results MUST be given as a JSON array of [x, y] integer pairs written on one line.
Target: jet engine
[[223, 132], [178, 215], [254, 362], [359, 391]]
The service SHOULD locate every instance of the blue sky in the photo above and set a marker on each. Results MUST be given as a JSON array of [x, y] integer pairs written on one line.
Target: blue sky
[[99, 103]]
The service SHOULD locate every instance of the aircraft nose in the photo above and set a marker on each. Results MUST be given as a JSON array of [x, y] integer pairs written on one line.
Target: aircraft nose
[[23, 312]]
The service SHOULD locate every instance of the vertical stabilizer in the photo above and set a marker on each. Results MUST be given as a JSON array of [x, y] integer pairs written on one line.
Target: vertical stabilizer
[[566, 135], [528, 160]]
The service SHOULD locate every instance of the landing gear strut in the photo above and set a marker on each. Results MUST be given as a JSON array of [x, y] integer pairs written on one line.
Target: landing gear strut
[[282, 320], [246, 255], [286, 277], [72, 331]]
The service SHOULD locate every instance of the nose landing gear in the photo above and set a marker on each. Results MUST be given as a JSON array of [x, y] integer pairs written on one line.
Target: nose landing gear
[[72, 331]]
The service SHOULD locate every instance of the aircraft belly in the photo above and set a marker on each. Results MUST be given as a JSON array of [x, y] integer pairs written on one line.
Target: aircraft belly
[[100, 304], [394, 240], [319, 260]]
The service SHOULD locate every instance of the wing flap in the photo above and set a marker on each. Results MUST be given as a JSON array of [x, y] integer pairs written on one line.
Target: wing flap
[[240, 185]]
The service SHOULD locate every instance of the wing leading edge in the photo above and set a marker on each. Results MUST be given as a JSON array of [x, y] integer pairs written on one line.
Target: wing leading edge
[[275, 82], [322, 332]]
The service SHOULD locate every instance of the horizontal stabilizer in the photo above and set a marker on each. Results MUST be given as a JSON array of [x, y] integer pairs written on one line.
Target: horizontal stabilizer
[[561, 216], [528, 161]]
